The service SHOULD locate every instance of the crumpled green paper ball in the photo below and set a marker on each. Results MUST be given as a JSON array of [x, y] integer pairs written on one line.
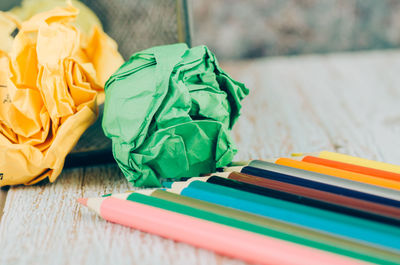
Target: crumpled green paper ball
[[169, 111]]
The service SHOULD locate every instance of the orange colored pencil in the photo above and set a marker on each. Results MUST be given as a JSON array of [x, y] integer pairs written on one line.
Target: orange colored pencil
[[390, 184], [359, 161], [353, 168]]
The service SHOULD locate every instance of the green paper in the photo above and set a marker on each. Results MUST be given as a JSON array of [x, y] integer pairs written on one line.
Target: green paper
[[169, 111]]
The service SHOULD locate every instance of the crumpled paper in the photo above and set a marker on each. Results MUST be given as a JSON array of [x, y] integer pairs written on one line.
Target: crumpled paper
[[169, 111], [84, 21], [50, 76]]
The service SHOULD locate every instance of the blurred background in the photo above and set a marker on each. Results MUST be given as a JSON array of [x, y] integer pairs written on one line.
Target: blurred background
[[237, 29]]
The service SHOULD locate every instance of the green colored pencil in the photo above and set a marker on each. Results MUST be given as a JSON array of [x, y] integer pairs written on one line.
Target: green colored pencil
[[258, 224]]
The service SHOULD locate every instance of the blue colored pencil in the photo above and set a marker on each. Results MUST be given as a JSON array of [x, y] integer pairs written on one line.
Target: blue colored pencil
[[338, 224]]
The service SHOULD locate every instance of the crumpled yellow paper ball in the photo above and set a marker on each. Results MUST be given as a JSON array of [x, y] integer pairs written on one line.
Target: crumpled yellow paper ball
[[85, 20], [51, 81]]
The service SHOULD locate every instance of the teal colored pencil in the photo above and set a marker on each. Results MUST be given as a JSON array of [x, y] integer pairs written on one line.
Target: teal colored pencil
[[259, 224], [351, 227]]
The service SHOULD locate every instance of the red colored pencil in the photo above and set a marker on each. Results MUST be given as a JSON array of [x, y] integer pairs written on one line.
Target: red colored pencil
[[353, 203], [352, 168]]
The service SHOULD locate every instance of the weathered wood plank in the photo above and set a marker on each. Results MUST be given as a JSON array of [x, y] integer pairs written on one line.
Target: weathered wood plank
[[359, 110], [339, 102], [276, 118], [46, 224], [352, 99]]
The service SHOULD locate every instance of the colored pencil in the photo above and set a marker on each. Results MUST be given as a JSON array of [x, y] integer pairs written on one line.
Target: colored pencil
[[359, 161], [352, 168], [233, 242], [339, 224], [310, 197], [277, 229], [223, 219], [263, 168], [298, 194], [304, 191], [339, 173], [264, 173]]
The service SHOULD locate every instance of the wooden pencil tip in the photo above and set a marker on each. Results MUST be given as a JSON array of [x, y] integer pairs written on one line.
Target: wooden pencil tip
[[240, 163], [297, 154], [82, 201], [231, 169]]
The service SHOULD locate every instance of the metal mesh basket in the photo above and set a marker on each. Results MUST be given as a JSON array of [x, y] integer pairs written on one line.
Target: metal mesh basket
[[137, 25]]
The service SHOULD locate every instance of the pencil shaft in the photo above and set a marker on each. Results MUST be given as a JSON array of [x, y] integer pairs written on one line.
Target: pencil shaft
[[329, 242], [339, 173], [345, 183], [180, 206], [347, 226], [303, 200], [313, 180], [300, 194], [352, 168], [219, 238], [360, 161]]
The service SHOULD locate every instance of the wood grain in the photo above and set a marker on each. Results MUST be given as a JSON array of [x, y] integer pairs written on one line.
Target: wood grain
[[343, 102]]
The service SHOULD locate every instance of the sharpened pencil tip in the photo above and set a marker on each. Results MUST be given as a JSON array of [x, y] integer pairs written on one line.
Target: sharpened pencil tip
[[83, 201]]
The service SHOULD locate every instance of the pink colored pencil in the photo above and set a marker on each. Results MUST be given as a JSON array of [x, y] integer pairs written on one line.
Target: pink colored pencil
[[225, 240]]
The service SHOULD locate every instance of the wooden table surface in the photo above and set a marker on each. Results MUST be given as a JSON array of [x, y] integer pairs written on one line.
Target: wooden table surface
[[344, 102]]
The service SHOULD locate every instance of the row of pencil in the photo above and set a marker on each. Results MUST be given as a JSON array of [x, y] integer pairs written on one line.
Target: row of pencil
[[326, 208]]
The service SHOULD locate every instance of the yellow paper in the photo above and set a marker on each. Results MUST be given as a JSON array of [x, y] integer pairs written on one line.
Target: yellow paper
[[51, 74], [85, 20], [8, 23]]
